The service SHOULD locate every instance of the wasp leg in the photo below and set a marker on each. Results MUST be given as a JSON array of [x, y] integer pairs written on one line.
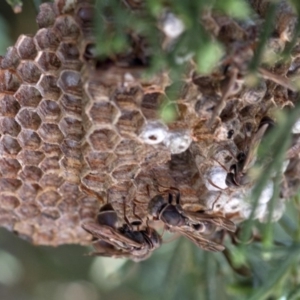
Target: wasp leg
[[140, 222], [125, 217], [178, 199]]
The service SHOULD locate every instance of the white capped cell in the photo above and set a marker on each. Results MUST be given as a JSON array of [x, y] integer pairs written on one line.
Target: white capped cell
[[154, 133], [172, 26], [234, 204], [214, 179], [283, 168], [178, 142], [267, 193], [216, 201], [277, 213], [259, 211], [253, 95]]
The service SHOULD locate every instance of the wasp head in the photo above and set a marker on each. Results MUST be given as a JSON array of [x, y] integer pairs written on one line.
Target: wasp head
[[155, 206], [107, 216]]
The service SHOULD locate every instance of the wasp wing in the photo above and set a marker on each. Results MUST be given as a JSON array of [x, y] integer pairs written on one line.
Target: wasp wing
[[121, 254], [253, 146], [200, 241], [110, 235], [198, 217], [106, 249]]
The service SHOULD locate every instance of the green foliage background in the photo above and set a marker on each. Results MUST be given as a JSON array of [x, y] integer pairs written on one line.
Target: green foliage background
[[178, 270]]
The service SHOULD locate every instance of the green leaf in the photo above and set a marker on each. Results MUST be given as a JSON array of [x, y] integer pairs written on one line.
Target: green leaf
[[279, 140], [4, 36], [296, 5], [168, 112], [16, 5], [235, 8], [155, 7], [208, 56], [276, 276], [264, 35]]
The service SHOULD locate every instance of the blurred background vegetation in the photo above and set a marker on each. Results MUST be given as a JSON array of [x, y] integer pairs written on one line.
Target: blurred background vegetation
[[178, 270]]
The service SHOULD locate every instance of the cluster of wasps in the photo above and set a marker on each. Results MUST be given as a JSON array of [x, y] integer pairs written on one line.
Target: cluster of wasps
[[128, 241]]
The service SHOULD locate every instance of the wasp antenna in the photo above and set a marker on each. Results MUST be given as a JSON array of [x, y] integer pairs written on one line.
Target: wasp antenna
[[231, 153], [214, 185], [170, 198], [107, 199], [178, 198], [213, 206], [220, 164], [174, 189], [134, 212]]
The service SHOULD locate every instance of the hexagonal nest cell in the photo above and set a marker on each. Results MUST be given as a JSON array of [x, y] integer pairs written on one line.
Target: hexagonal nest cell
[[103, 139]]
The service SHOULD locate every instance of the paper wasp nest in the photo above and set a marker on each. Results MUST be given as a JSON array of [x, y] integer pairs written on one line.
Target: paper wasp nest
[[71, 130]]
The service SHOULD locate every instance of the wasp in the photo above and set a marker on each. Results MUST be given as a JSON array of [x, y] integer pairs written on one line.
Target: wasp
[[237, 175], [195, 226], [121, 242]]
